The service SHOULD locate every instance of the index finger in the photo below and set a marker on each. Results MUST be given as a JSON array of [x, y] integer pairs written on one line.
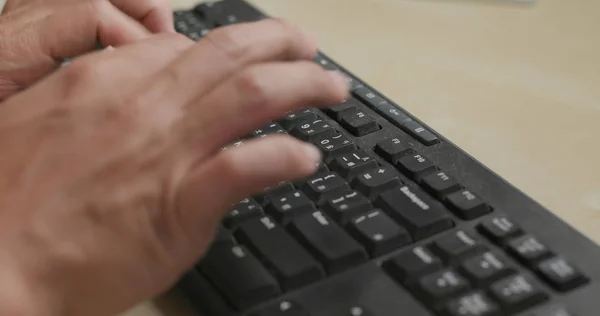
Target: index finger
[[155, 15]]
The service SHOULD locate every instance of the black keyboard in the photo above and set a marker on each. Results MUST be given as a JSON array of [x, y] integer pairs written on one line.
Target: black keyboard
[[397, 221]]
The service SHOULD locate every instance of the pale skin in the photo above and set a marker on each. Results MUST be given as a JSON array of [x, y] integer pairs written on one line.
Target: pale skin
[[112, 177]]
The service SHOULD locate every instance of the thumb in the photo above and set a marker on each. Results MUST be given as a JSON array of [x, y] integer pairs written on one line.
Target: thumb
[[234, 174]]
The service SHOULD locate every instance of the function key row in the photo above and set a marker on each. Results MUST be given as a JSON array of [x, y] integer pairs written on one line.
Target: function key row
[[464, 203], [374, 101]]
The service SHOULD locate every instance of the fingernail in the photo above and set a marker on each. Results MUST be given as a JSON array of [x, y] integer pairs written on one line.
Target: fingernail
[[312, 152], [339, 79]]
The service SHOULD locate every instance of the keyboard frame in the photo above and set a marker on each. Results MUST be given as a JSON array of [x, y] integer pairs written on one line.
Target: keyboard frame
[[505, 198]]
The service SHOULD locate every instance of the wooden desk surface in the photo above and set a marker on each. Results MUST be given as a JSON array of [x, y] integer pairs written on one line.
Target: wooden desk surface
[[516, 86]]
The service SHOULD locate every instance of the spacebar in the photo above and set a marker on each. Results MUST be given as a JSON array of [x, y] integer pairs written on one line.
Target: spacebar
[[367, 288]]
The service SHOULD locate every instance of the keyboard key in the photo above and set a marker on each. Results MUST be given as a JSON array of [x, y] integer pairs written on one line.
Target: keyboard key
[[387, 110], [329, 243], [313, 129], [279, 252], [440, 285], [347, 206], [273, 193], [555, 310], [373, 182], [486, 268], [359, 123], [379, 233], [356, 311], [244, 210], [325, 186], [560, 274], [415, 165], [349, 107], [499, 229], [353, 163], [414, 210], [517, 293], [467, 205], [224, 237], [528, 249], [239, 275], [393, 149], [412, 264], [289, 205], [324, 62], [290, 120], [332, 146], [456, 246], [439, 183], [283, 308], [273, 128], [472, 304], [420, 133]]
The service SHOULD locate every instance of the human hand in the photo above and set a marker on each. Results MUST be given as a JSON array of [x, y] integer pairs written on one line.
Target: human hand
[[112, 177], [35, 35]]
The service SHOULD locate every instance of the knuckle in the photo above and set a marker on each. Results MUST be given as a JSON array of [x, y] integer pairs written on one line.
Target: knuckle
[[249, 83], [227, 41], [78, 73]]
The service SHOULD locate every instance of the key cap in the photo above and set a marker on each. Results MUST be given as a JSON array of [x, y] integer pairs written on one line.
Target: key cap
[[499, 229], [554, 310], [272, 193], [440, 285], [355, 311], [486, 268], [517, 293], [378, 233], [387, 110], [456, 246], [415, 165], [325, 186], [528, 249], [359, 123], [331, 245], [324, 62], [239, 275], [244, 210], [393, 149], [414, 210], [223, 238], [560, 274], [292, 265], [197, 288], [420, 133], [273, 128], [467, 205], [412, 264], [373, 182], [289, 205], [353, 163], [310, 129], [349, 107], [290, 120], [283, 308], [439, 183], [472, 304], [332, 146], [345, 207]]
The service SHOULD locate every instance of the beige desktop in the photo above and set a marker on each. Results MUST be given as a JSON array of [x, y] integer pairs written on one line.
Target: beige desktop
[[514, 85]]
